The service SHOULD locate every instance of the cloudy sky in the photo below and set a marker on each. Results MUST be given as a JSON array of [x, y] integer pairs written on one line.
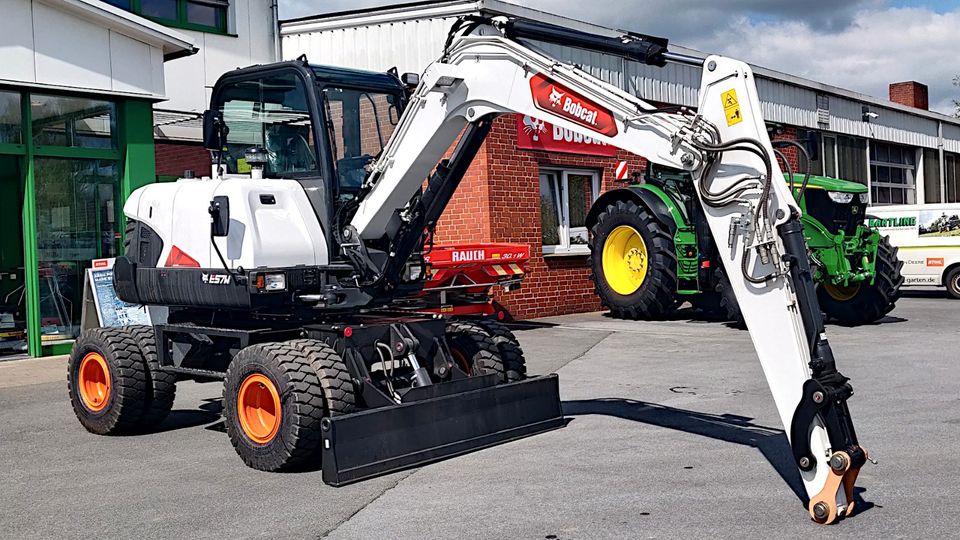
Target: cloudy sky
[[862, 45]]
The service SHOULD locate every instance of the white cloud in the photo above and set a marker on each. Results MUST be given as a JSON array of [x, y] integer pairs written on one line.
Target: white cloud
[[861, 45], [878, 47]]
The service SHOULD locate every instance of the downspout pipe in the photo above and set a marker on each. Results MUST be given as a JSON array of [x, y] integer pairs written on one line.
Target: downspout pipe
[[275, 9]]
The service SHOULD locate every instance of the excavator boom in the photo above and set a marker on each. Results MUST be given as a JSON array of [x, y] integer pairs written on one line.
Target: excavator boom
[[488, 70]]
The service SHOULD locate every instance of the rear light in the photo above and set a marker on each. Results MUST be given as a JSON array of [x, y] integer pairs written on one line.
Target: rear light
[[347, 332]]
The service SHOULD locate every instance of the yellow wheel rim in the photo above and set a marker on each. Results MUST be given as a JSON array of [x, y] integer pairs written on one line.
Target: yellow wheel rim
[[841, 293], [625, 260]]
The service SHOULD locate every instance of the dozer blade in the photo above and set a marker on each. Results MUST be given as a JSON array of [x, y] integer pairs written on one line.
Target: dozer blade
[[387, 439]]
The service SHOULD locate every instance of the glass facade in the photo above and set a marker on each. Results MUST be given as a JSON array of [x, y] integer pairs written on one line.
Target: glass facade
[[77, 221], [73, 122], [11, 118], [66, 164]]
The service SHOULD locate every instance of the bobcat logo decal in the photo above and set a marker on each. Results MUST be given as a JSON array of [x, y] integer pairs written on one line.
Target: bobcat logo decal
[[555, 96]]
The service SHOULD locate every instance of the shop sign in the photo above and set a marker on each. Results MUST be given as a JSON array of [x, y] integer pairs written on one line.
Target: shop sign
[[535, 134]]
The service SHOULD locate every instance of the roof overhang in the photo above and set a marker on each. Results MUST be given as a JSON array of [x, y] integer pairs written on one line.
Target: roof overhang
[[173, 44]]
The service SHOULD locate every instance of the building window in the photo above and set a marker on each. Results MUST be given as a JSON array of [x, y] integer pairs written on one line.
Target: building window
[[73, 121], [931, 176], [10, 118], [201, 15], [852, 159], [565, 199], [893, 174], [951, 175]]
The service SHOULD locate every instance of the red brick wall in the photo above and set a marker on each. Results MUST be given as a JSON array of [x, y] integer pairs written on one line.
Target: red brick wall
[[911, 94], [788, 133], [174, 158], [499, 201]]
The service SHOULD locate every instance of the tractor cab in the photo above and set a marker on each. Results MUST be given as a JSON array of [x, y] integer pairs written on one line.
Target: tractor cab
[[321, 126]]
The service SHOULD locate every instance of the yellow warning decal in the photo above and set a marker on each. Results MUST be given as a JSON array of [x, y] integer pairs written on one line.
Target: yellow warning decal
[[731, 106]]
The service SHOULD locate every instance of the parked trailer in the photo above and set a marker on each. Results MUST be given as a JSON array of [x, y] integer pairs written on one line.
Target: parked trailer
[[928, 236]]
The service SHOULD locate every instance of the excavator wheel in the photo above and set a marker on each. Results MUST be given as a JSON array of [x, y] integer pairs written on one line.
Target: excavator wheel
[[106, 379], [273, 403], [338, 391], [161, 386], [474, 351], [514, 363], [633, 262], [863, 303]]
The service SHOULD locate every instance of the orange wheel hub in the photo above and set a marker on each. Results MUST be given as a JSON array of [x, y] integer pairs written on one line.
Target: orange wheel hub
[[93, 379], [258, 408]]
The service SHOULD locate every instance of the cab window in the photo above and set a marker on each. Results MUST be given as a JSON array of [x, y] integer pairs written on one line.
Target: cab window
[[360, 123], [272, 113]]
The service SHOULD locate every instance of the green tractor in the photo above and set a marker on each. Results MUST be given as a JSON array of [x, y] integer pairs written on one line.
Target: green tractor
[[651, 250]]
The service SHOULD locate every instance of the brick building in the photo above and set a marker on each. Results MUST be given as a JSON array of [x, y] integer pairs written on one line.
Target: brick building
[[538, 194]]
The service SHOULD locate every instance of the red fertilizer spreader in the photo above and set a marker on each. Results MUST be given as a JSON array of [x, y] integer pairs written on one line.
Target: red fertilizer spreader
[[463, 277]]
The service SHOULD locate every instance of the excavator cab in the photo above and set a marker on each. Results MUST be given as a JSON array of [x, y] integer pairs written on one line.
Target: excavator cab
[[314, 122]]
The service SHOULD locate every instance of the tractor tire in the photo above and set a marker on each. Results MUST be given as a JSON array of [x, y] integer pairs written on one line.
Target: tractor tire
[[106, 380], [273, 403], [161, 386], [633, 262], [729, 306], [864, 303], [514, 363], [339, 394], [952, 282], [474, 351]]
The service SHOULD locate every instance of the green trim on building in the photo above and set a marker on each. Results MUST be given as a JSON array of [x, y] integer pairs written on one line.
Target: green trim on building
[[136, 162]]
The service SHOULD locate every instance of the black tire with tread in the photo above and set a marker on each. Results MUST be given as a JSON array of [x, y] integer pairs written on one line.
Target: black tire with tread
[[511, 354], [656, 296], [335, 381], [477, 347], [161, 385], [291, 370], [872, 302], [128, 389], [952, 282]]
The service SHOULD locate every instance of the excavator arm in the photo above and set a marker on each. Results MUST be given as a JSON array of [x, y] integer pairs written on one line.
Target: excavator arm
[[488, 69]]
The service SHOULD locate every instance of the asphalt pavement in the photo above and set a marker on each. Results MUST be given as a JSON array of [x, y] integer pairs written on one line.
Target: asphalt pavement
[[672, 433]]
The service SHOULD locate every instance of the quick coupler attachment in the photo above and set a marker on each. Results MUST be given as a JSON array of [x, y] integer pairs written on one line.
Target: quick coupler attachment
[[387, 439], [826, 399], [844, 468]]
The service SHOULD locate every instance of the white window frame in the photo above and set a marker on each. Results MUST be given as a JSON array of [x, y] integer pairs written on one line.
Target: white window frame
[[561, 174], [906, 188]]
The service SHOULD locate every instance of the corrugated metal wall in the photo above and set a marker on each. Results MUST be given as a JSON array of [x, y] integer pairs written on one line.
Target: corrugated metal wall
[[411, 44]]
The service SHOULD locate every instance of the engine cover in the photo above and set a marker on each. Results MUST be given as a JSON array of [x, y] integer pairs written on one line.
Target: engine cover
[[271, 223]]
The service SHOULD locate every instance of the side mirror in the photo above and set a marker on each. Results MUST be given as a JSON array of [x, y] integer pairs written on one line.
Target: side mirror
[[214, 130]]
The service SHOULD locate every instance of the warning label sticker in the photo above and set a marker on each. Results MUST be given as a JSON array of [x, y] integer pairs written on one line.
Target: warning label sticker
[[731, 106]]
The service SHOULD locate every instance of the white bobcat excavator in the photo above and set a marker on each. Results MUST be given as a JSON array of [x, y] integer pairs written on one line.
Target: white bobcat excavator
[[280, 269]]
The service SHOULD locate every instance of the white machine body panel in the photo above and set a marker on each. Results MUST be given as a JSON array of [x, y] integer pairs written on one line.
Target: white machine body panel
[[281, 233]]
